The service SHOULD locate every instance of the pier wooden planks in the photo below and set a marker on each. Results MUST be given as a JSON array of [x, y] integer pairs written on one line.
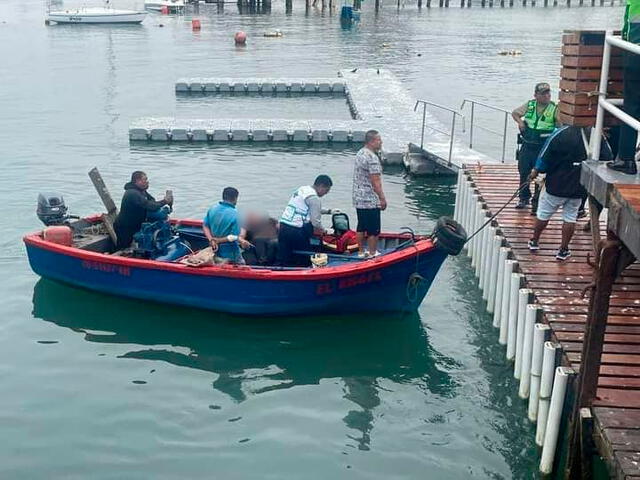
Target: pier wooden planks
[[558, 287]]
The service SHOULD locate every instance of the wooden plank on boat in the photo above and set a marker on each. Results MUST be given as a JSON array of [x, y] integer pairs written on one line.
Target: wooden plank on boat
[[112, 211]]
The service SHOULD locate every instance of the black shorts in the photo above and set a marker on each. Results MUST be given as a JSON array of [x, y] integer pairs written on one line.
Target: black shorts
[[368, 220]]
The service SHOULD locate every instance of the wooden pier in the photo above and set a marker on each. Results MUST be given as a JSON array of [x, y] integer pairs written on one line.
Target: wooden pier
[[566, 297]]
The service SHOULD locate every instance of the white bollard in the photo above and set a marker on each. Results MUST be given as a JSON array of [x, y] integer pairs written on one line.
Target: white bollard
[[516, 283], [509, 267], [524, 298], [546, 385], [531, 318], [502, 260], [539, 337], [493, 273], [555, 416], [486, 259], [468, 203]]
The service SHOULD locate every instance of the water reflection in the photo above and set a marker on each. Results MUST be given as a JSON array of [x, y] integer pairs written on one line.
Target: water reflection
[[252, 356]]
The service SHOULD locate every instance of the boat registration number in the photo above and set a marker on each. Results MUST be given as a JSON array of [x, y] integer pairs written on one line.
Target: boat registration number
[[327, 288], [106, 267]]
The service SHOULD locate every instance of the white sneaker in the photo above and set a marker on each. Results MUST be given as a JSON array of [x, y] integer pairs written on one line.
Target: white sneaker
[[363, 254], [377, 254]]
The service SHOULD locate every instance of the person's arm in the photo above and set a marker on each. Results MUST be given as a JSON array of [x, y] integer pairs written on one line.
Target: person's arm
[[210, 238], [517, 115], [376, 183], [146, 201], [315, 214]]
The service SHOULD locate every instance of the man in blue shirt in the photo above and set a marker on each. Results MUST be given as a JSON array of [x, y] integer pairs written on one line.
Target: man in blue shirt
[[222, 227]]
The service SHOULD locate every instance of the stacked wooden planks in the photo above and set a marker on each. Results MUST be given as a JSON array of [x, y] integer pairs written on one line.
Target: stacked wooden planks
[[580, 77]]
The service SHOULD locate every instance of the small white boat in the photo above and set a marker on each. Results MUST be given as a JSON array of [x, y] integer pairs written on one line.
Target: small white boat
[[92, 15], [172, 6]]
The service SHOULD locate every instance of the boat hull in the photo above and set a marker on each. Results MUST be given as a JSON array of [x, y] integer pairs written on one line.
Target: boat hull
[[80, 17], [398, 283]]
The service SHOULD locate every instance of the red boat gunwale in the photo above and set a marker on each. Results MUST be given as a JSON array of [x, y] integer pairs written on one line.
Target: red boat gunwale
[[422, 246]]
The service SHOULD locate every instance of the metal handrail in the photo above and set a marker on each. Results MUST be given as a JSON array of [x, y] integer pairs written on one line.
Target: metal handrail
[[610, 104], [453, 123], [492, 107]]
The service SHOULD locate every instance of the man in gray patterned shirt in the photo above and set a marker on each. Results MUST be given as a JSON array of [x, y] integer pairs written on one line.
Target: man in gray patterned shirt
[[368, 196]]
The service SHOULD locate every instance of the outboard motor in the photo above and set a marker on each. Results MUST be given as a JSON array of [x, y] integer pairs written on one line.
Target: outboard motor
[[52, 209]]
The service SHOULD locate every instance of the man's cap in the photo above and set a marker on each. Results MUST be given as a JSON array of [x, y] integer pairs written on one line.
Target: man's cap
[[542, 87]]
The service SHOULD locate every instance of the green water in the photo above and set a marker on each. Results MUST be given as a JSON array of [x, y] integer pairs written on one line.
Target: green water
[[100, 387]]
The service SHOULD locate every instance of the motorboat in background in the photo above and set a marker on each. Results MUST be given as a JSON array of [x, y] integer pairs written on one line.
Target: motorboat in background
[[165, 6], [94, 15]]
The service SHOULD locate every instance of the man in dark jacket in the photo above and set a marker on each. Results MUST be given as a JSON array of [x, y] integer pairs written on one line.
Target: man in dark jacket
[[561, 159], [136, 204]]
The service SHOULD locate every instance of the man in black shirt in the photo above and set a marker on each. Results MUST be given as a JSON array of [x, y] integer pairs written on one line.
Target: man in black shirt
[[561, 158], [136, 204]]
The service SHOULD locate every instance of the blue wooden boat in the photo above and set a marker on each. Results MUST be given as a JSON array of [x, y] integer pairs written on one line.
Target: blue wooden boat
[[397, 280]]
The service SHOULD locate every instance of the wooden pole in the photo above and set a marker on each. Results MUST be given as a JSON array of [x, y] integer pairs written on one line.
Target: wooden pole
[[289, 6], [377, 5], [419, 4], [592, 347]]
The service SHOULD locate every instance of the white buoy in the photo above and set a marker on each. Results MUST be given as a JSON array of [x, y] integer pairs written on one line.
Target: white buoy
[[555, 416], [524, 298], [540, 331], [502, 260], [498, 241], [509, 267], [546, 385], [531, 319], [516, 283]]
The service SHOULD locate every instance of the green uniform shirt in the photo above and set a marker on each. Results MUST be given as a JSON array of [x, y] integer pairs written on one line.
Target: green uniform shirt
[[631, 25]]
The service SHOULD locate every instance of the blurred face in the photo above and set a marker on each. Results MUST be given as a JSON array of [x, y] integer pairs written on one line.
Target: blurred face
[[543, 98], [143, 182], [375, 144], [322, 190]]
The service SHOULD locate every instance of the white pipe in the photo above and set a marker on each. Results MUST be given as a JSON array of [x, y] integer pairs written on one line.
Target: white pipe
[[473, 219], [555, 415], [476, 239], [482, 236], [456, 208], [502, 260], [509, 267], [493, 272], [527, 347], [546, 385], [486, 260], [539, 337], [516, 282], [524, 298], [466, 207]]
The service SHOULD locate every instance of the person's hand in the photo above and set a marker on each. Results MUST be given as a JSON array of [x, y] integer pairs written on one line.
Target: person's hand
[[168, 197], [244, 244], [383, 204], [522, 126], [214, 245], [333, 211], [533, 175]]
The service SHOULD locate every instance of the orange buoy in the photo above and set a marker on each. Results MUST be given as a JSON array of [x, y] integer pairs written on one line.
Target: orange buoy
[[240, 38], [195, 24], [164, 10], [60, 234]]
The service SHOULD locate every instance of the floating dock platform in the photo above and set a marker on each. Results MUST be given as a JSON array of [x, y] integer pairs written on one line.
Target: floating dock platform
[[375, 98]]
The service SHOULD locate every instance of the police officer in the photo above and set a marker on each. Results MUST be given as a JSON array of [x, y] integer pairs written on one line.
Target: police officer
[[536, 120], [625, 162]]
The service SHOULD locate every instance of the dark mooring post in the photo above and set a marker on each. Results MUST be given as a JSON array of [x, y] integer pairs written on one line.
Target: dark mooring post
[[608, 266], [468, 3], [288, 6], [446, 3], [377, 5], [428, 3], [533, 3], [510, 3], [524, 3], [419, 3]]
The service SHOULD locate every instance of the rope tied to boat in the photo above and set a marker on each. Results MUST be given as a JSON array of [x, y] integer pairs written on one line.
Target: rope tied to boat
[[413, 286]]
